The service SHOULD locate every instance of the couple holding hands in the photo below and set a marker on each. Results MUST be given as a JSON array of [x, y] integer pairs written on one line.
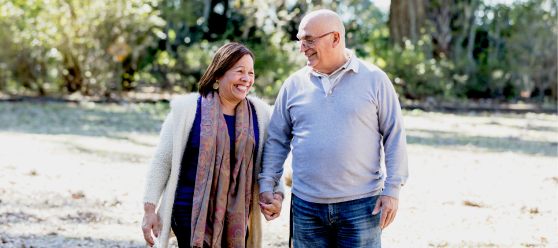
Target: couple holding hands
[[219, 163]]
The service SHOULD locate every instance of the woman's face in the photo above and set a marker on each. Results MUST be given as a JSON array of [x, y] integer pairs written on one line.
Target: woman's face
[[235, 84]]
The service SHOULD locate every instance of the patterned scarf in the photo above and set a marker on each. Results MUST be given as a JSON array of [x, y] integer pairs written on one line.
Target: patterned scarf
[[221, 202]]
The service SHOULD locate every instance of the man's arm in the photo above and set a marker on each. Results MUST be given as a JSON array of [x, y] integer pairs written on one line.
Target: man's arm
[[392, 129], [395, 143], [277, 147]]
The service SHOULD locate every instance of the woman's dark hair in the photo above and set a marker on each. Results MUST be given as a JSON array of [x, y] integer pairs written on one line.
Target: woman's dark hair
[[223, 60]]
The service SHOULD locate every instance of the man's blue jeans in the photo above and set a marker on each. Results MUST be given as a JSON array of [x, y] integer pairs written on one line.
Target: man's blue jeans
[[344, 224]]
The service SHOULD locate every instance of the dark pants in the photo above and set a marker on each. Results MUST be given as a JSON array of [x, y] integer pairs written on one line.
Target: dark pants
[[344, 224], [181, 223]]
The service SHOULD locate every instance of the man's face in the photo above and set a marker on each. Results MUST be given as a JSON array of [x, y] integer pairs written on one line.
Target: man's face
[[317, 55]]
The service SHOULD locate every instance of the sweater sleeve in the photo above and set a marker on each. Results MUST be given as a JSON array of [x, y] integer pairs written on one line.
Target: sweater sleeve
[[280, 187], [395, 143], [160, 167], [277, 145]]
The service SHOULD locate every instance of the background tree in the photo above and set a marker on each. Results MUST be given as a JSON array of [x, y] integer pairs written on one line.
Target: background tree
[[443, 50], [406, 20]]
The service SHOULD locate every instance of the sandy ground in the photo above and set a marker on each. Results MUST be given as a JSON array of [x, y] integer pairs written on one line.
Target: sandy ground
[[72, 176]]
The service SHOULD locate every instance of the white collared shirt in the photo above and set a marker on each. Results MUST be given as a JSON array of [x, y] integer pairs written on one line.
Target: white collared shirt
[[329, 81]]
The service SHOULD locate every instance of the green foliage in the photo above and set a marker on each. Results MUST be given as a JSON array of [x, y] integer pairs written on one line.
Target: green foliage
[[512, 55], [62, 46], [531, 46], [56, 47]]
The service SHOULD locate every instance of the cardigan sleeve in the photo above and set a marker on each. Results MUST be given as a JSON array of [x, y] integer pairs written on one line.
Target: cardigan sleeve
[[160, 167]]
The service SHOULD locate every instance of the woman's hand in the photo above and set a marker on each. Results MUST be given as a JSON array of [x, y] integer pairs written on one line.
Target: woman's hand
[[150, 222], [272, 209]]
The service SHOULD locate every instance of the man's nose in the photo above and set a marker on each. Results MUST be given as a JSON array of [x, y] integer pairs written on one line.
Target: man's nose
[[302, 48]]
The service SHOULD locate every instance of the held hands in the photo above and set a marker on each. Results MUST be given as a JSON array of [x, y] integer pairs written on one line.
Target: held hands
[[271, 204], [389, 209], [150, 221]]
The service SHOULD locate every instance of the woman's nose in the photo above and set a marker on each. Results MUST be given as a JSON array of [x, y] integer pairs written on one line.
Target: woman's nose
[[245, 77]]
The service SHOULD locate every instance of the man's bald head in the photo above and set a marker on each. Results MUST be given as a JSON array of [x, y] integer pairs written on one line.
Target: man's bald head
[[322, 40], [326, 20]]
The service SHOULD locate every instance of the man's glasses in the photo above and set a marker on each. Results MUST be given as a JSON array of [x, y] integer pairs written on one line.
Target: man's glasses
[[310, 43]]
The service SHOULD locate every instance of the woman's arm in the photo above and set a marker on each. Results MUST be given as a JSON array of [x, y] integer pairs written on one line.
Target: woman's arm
[[160, 167], [157, 177]]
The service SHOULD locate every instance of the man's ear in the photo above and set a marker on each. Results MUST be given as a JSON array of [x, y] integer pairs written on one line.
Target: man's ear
[[336, 39]]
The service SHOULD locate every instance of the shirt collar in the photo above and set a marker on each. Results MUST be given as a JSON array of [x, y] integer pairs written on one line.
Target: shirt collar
[[352, 64]]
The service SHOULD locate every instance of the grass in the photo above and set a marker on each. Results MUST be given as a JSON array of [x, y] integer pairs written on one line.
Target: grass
[[88, 119], [528, 133], [72, 174]]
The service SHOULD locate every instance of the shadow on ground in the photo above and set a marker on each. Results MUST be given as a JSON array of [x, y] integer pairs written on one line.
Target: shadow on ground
[[528, 127], [87, 120], [53, 240], [494, 144]]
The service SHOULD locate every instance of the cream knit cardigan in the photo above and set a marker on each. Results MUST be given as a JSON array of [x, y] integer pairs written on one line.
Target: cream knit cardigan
[[162, 175]]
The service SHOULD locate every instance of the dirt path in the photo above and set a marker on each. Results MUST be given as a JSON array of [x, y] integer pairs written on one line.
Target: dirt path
[[73, 176]]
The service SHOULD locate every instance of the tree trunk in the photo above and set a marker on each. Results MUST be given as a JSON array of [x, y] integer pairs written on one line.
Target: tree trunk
[[553, 78], [166, 84], [3, 80], [206, 12], [440, 15], [406, 18], [470, 9]]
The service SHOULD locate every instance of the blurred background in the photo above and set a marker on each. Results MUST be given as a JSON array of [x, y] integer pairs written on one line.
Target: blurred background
[[449, 50], [85, 85]]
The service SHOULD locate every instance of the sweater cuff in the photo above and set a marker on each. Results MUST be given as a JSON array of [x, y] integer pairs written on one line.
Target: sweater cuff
[[392, 191], [150, 196], [267, 186], [280, 187], [153, 199]]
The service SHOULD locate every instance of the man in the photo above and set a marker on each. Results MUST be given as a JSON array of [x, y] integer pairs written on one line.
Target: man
[[334, 113]]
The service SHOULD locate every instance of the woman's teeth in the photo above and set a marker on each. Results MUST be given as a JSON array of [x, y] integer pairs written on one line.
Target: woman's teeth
[[241, 87]]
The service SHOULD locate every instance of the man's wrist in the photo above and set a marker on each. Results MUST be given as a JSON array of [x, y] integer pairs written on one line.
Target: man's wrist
[[391, 191], [267, 186], [280, 194]]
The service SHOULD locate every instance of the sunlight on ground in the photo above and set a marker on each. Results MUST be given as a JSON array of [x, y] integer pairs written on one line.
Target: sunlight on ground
[[73, 175]]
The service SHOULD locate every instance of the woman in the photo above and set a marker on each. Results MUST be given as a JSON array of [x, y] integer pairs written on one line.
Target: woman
[[206, 164]]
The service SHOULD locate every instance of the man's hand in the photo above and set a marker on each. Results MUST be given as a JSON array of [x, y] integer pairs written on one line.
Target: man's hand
[[389, 209], [271, 205], [266, 197], [149, 223]]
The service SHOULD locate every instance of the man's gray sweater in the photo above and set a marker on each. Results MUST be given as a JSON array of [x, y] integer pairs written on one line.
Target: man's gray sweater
[[335, 135]]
